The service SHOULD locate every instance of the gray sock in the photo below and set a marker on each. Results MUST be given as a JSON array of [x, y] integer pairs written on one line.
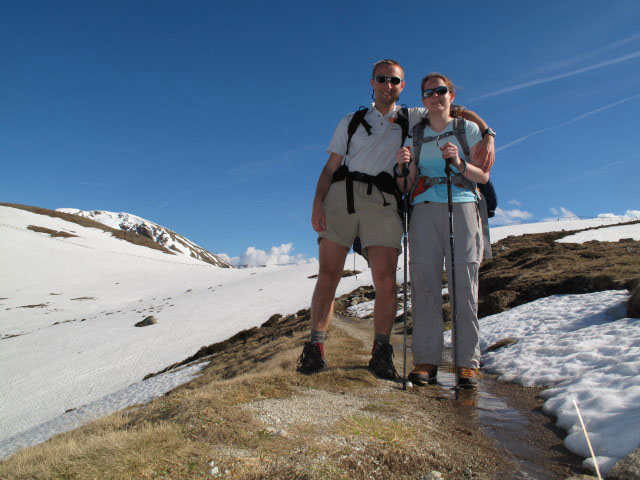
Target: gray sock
[[317, 336], [379, 337]]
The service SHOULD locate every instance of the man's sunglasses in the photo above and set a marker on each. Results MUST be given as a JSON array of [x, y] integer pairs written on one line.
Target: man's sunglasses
[[429, 92], [385, 79]]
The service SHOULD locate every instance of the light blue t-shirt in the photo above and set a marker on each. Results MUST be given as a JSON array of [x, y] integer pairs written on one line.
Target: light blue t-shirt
[[432, 164]]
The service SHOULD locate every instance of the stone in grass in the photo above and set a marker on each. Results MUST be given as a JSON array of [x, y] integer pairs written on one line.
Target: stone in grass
[[150, 320], [505, 342], [273, 319], [432, 475]]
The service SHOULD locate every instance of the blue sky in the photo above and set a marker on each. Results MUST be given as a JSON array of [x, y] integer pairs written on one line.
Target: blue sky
[[213, 119]]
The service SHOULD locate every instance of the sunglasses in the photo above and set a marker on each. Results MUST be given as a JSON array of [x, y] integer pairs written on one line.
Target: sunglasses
[[429, 92], [385, 79]]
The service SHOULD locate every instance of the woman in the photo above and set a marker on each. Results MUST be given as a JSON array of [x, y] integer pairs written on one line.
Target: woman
[[429, 233]]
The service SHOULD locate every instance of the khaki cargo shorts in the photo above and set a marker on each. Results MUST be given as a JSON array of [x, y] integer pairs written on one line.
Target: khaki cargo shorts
[[376, 225]]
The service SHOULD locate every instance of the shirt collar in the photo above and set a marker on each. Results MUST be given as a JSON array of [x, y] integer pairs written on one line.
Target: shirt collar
[[374, 111]]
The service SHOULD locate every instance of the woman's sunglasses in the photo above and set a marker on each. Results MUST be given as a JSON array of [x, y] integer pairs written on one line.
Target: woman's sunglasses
[[385, 79], [429, 92]]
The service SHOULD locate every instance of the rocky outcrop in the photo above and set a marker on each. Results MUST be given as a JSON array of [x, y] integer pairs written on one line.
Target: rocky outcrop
[[529, 267], [626, 469], [162, 236], [151, 320]]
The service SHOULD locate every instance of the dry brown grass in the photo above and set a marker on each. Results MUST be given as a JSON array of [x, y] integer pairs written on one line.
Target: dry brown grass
[[48, 231], [181, 433], [130, 237], [39, 305], [106, 450]]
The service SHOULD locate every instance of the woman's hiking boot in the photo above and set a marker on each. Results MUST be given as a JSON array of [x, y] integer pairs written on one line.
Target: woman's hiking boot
[[424, 374], [468, 377], [381, 363], [311, 360]]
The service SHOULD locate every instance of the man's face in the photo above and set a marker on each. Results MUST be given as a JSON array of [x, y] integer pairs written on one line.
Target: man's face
[[387, 93]]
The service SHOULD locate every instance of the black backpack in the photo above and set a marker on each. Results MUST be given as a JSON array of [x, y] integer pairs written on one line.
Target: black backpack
[[402, 119]]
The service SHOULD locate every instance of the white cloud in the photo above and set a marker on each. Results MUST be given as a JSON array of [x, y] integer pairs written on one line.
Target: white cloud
[[514, 202], [505, 217], [574, 59], [548, 79], [254, 257], [628, 215], [575, 119], [560, 213]]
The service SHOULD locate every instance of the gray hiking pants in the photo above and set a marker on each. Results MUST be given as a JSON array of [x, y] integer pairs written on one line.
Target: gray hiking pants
[[429, 247]]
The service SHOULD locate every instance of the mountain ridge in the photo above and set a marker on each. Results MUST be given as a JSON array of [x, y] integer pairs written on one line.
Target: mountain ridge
[[161, 235]]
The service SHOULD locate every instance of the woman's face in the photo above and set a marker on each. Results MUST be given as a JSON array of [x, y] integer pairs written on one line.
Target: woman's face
[[437, 102]]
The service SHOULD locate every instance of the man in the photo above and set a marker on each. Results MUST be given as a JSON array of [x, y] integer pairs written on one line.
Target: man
[[355, 198]]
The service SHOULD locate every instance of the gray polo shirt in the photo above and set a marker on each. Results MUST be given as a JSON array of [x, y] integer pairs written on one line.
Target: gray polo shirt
[[375, 153]]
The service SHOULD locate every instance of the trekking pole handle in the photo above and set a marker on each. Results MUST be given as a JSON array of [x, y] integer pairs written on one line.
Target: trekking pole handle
[[405, 165], [447, 161], [447, 167]]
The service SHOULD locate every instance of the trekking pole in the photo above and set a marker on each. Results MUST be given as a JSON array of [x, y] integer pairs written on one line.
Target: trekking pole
[[452, 279], [405, 223]]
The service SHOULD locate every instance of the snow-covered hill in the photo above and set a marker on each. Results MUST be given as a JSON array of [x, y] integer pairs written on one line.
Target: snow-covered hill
[[68, 306], [159, 234]]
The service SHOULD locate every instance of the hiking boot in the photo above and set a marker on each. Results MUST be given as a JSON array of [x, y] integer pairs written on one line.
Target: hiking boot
[[424, 374], [311, 360], [381, 363], [468, 377]]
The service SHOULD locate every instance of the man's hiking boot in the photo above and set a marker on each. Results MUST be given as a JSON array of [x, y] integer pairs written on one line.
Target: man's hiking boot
[[381, 363], [311, 360], [424, 374], [468, 377]]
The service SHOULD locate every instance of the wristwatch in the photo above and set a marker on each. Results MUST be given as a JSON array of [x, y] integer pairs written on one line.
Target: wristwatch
[[488, 131]]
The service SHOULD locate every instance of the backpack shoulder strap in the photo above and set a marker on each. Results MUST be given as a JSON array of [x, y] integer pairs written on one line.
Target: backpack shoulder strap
[[461, 135], [417, 134], [356, 121], [402, 119]]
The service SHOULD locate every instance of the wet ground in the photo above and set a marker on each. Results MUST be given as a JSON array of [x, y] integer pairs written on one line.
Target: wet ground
[[513, 418], [509, 414]]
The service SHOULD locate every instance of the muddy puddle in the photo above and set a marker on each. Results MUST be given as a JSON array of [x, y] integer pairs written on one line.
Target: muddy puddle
[[508, 414], [509, 427]]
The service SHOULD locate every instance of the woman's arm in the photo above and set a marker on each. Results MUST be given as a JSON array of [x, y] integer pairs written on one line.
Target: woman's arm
[[486, 148], [470, 170]]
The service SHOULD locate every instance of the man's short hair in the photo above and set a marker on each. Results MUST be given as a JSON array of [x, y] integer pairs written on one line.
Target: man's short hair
[[387, 61]]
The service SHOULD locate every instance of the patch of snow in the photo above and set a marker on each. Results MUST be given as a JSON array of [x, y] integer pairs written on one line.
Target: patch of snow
[[584, 348], [609, 234]]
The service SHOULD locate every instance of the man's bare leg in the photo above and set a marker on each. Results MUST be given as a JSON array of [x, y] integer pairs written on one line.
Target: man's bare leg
[[332, 258], [383, 261]]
